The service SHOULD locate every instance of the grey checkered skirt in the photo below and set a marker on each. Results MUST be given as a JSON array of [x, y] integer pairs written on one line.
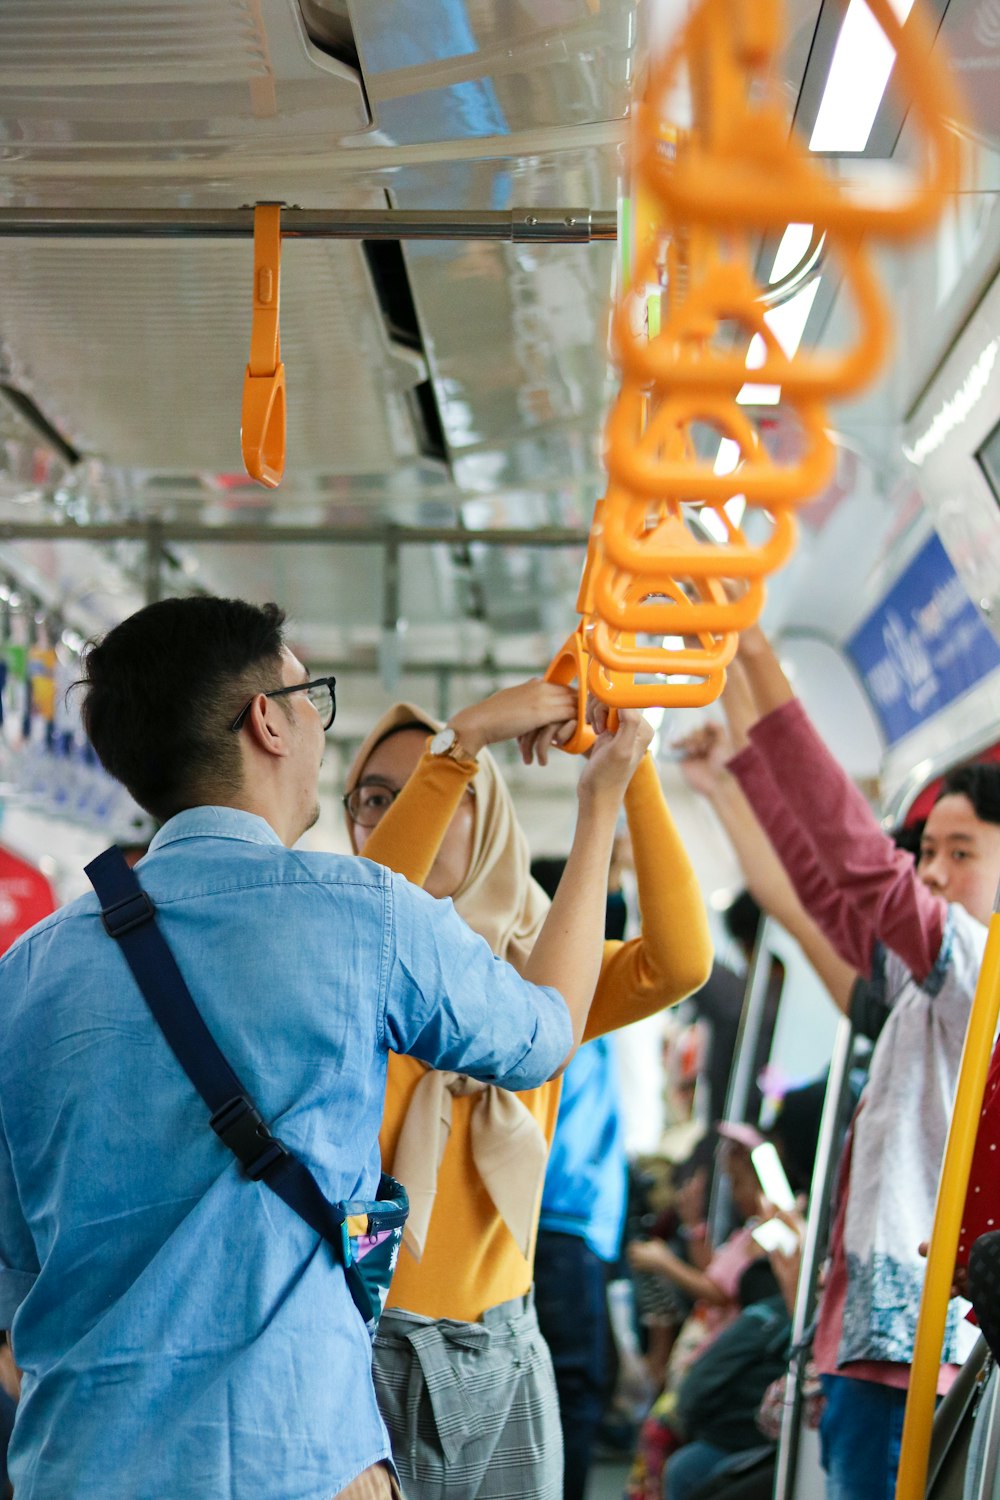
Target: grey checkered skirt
[[471, 1408]]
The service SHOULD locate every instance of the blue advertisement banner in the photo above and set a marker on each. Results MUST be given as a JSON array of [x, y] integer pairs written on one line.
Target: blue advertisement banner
[[924, 646]]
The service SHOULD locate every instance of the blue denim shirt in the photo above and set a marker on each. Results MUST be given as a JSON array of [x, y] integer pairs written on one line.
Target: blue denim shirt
[[182, 1332]]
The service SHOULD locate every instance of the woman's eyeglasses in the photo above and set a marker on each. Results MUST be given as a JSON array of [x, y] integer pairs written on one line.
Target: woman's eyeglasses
[[322, 693], [367, 804]]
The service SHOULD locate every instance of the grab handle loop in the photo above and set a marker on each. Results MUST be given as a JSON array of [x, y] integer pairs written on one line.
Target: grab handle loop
[[262, 432], [571, 667]]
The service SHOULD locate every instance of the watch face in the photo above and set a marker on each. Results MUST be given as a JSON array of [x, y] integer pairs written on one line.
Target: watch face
[[443, 741]]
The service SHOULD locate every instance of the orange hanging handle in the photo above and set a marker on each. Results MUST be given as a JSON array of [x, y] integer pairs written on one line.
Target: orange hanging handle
[[638, 548], [262, 428], [619, 687], [744, 170], [690, 330], [682, 357], [571, 667]]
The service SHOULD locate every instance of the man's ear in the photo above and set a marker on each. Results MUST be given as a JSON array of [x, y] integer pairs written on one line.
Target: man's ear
[[269, 726]]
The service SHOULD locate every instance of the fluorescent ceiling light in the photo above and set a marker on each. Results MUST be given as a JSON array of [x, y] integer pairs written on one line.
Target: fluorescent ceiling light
[[759, 395], [787, 322], [859, 73], [736, 509], [791, 252], [713, 524], [727, 457]]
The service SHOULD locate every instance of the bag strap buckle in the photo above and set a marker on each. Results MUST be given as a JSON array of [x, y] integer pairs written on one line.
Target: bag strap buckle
[[240, 1127], [125, 915]]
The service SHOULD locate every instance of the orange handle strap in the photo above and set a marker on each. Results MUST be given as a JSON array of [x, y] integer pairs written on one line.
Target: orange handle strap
[[747, 171], [262, 430], [620, 689], [571, 667], [667, 609], [704, 195], [632, 546]]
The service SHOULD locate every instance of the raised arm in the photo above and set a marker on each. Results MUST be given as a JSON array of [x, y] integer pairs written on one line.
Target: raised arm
[[410, 833], [703, 767], [673, 955], [569, 948], [877, 880]]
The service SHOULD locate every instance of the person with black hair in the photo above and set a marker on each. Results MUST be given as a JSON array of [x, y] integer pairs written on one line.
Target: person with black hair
[[720, 1003], [917, 933], [181, 1332]]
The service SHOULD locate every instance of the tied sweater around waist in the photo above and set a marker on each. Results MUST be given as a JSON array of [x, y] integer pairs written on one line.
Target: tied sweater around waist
[[470, 1260]]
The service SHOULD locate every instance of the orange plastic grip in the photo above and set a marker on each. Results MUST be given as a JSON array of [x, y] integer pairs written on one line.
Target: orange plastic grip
[[746, 171], [262, 427]]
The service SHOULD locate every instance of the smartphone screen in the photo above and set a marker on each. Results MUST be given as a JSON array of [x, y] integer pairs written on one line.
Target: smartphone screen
[[771, 1176]]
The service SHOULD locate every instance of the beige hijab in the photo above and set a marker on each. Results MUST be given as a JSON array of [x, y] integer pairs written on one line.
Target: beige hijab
[[499, 900]]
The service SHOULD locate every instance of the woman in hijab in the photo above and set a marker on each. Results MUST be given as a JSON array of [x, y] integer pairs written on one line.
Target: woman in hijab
[[463, 1377]]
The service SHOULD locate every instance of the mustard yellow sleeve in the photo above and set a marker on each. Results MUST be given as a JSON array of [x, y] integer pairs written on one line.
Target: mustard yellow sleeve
[[673, 955], [408, 838]]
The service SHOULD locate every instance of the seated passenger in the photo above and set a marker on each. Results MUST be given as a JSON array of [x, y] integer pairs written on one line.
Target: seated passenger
[[464, 1380], [718, 1398], [918, 934], [714, 1291], [182, 1332]]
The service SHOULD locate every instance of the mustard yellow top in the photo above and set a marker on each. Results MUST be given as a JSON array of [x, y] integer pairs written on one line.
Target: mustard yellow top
[[470, 1260]]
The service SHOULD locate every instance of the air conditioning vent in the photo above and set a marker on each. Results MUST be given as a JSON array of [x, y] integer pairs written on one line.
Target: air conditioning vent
[[124, 42]]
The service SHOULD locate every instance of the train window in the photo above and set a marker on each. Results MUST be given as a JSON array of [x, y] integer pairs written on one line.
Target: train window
[[989, 461]]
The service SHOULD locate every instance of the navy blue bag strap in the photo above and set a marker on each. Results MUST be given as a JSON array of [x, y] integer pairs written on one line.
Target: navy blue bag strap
[[130, 918]]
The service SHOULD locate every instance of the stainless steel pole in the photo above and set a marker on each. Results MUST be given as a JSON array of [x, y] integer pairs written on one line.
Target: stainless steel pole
[[540, 226]]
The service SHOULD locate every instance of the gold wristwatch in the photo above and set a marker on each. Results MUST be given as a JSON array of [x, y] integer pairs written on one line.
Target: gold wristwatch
[[446, 743]]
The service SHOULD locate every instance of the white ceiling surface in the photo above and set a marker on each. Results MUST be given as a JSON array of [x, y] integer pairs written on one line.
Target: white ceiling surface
[[136, 350]]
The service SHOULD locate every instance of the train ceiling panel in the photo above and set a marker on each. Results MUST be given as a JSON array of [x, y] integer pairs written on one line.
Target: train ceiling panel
[[130, 85], [437, 71], [136, 351]]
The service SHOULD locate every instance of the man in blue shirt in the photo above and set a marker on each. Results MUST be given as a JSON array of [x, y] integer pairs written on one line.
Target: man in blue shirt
[[181, 1331]]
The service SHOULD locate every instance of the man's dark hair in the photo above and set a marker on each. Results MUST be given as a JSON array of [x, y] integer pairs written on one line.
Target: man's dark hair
[[980, 782], [742, 919], [162, 689]]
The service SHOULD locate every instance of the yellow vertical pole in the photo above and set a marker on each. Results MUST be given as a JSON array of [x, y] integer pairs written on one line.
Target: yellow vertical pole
[[911, 1481]]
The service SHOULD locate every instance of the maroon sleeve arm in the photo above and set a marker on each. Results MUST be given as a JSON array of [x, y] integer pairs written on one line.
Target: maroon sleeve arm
[[877, 880], [830, 910]]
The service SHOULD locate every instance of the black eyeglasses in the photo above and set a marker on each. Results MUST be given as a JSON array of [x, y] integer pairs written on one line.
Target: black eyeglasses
[[322, 695]]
